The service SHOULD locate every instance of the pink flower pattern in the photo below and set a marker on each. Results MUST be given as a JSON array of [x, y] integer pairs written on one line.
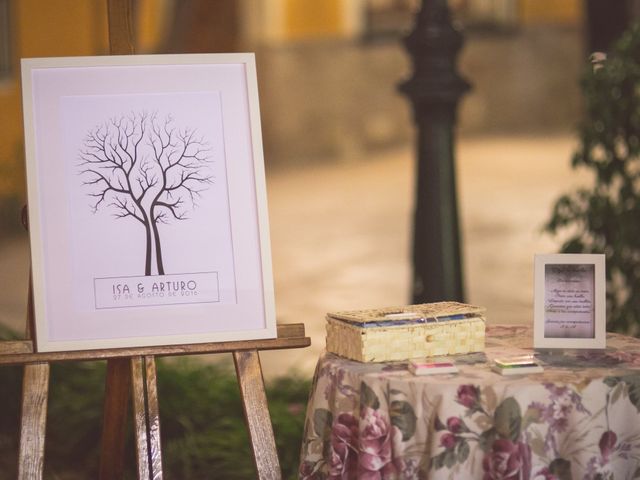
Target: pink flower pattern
[[490, 430], [507, 461], [344, 447], [468, 395], [375, 446]]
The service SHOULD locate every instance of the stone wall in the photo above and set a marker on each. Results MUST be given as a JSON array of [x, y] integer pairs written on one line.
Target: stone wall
[[337, 100]]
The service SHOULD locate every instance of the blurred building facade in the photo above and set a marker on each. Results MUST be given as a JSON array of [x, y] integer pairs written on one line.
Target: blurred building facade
[[328, 69]]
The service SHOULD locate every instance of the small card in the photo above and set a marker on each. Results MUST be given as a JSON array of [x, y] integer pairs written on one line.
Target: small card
[[433, 366], [516, 365], [516, 360]]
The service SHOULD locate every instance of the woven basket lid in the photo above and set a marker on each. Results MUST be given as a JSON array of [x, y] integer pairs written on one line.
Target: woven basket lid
[[407, 312]]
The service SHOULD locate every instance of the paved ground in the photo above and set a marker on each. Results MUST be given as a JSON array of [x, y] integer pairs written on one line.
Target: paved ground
[[341, 235]]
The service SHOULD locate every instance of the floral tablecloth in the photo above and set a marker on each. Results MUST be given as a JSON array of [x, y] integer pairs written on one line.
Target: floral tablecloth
[[579, 419]]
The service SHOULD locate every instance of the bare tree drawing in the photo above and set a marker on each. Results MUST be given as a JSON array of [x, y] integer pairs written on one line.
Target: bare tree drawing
[[145, 168]]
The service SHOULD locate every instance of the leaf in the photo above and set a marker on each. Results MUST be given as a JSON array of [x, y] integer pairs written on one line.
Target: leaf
[[438, 460], [438, 425], [368, 397], [403, 417], [449, 458], [615, 393], [322, 421], [537, 445], [633, 385], [561, 468], [444, 459], [574, 245], [308, 426], [531, 415], [487, 438], [611, 381], [483, 422], [489, 397], [507, 419], [463, 451]]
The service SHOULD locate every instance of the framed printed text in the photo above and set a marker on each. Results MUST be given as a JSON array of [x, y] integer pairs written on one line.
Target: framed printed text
[[147, 201], [570, 301]]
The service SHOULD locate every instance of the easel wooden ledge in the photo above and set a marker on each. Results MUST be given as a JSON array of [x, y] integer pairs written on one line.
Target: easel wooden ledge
[[133, 371]]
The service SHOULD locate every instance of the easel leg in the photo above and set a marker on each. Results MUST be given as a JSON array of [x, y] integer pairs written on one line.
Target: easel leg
[[116, 406], [153, 419], [254, 401], [120, 13], [146, 418], [35, 391]]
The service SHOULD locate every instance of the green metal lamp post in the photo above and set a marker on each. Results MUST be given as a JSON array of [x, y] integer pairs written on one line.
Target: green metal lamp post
[[434, 90]]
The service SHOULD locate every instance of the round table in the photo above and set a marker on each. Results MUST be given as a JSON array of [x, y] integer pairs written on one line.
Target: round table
[[579, 419]]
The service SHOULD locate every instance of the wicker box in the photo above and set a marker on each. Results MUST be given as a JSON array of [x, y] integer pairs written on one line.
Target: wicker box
[[401, 333]]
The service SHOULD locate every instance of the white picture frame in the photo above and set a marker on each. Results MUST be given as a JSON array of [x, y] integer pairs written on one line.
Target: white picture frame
[[147, 201], [569, 301]]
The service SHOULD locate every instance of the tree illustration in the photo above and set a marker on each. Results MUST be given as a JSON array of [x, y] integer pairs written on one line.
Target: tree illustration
[[145, 168]]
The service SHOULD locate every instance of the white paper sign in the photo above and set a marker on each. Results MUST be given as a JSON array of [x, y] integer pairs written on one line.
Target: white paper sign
[[120, 292], [143, 194], [569, 301]]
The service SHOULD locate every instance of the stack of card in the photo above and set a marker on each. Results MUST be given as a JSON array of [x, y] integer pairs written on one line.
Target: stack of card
[[433, 366], [516, 365]]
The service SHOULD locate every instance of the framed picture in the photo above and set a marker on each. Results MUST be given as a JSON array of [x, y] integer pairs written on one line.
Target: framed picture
[[570, 301], [147, 201]]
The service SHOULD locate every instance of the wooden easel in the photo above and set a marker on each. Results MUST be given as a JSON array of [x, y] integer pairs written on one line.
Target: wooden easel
[[132, 371]]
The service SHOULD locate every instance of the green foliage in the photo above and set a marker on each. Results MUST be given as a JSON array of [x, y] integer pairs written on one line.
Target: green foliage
[[368, 397], [605, 218], [631, 384], [507, 419], [561, 469], [202, 422], [403, 417], [10, 380]]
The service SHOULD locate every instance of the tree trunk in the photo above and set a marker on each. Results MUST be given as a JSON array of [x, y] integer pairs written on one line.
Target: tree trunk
[[156, 239], [147, 228]]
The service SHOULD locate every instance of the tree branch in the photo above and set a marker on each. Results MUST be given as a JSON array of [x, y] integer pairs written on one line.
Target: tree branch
[[173, 208], [130, 158], [125, 210]]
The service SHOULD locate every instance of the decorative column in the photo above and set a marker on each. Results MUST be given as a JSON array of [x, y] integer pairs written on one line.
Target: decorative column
[[434, 90]]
